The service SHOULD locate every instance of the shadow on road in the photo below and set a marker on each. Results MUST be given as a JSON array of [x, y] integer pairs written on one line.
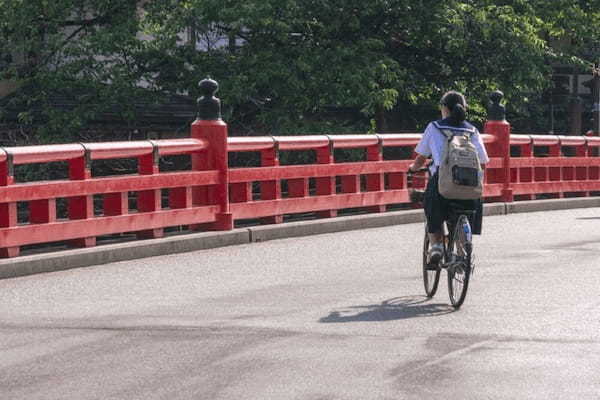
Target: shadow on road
[[392, 309]]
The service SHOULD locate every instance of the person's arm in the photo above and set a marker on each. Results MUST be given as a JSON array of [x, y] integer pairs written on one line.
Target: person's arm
[[418, 163], [423, 151]]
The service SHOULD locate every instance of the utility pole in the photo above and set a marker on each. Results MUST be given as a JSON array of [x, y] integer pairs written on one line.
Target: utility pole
[[596, 98], [594, 85]]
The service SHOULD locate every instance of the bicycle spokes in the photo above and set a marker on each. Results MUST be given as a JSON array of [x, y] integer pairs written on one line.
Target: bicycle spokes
[[459, 268], [456, 260]]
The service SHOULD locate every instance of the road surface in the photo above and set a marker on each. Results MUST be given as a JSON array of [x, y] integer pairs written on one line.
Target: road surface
[[328, 317]]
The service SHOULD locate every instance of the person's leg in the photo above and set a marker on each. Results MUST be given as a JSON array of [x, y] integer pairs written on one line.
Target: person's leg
[[436, 237], [477, 220], [433, 205]]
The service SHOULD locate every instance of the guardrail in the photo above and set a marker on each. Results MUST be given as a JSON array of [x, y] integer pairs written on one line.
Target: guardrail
[[83, 225], [554, 173], [212, 195]]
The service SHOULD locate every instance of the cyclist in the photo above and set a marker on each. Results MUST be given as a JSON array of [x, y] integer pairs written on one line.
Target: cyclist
[[453, 109]]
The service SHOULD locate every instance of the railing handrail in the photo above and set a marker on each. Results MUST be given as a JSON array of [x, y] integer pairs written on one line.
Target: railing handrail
[[211, 195]]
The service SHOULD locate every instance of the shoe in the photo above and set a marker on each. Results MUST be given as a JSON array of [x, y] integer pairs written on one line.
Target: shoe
[[435, 254]]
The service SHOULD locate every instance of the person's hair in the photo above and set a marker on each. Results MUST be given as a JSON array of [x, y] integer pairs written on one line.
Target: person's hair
[[456, 103]]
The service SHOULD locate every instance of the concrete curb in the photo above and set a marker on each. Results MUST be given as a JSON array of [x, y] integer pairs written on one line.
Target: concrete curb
[[103, 254], [552, 204], [494, 209], [339, 224]]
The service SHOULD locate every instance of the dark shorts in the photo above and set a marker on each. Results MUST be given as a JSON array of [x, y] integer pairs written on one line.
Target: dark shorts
[[437, 207]]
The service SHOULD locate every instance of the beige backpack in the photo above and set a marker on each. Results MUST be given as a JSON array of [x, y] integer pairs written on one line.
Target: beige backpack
[[460, 176]]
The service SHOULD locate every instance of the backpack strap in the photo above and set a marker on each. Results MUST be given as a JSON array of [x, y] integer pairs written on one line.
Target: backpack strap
[[450, 131]]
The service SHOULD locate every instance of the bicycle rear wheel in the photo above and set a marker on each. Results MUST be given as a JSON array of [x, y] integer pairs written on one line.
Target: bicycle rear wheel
[[431, 277], [459, 268]]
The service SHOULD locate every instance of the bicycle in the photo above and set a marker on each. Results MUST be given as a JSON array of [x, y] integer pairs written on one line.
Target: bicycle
[[457, 257]]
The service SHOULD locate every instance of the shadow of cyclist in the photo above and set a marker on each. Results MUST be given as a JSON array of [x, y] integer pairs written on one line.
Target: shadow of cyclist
[[392, 309]]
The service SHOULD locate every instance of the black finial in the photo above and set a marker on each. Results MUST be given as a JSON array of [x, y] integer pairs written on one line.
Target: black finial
[[209, 107], [496, 111]]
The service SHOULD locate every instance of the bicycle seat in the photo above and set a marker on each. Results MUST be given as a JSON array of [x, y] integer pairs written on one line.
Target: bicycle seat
[[459, 208], [417, 196]]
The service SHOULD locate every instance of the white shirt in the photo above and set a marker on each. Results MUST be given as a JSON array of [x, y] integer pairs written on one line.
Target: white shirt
[[433, 142]]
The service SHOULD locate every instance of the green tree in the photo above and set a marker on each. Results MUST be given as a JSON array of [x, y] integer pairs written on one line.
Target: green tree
[[85, 50], [283, 65], [295, 59]]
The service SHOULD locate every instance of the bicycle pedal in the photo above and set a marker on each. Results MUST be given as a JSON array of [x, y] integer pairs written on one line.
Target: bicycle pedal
[[432, 267]]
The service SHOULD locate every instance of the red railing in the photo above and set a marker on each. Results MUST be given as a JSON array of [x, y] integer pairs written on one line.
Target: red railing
[[82, 226], [556, 166], [327, 196], [212, 195]]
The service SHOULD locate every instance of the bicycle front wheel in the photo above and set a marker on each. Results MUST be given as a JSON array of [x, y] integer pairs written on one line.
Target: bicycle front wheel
[[431, 277], [459, 268]]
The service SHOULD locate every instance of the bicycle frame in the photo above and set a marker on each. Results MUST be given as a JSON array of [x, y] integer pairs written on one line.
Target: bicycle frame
[[450, 229], [457, 259]]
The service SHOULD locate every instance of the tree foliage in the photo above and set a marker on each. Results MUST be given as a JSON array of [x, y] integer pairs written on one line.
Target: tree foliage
[[284, 65], [85, 50]]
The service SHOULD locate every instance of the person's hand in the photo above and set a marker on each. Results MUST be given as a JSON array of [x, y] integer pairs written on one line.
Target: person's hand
[[412, 168]]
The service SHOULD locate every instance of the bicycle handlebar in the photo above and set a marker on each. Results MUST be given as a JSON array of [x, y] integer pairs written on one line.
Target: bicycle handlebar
[[422, 169], [416, 195]]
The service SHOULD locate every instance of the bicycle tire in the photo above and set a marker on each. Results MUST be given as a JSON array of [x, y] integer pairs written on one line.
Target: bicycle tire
[[431, 278], [459, 271]]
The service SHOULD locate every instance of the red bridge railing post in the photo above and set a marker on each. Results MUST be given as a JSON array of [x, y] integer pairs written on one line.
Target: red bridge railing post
[[497, 126], [81, 207], [527, 174], [8, 211], [270, 190], [149, 200], [375, 182], [210, 127], [325, 186]]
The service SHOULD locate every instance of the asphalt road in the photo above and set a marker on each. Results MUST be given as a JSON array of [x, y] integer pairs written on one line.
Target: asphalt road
[[338, 316]]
